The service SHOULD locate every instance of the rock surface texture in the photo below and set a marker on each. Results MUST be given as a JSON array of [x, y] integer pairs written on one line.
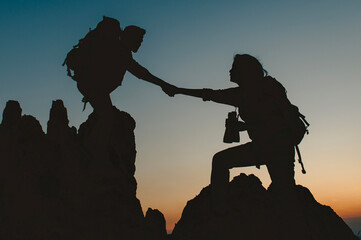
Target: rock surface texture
[[52, 187], [249, 211], [67, 185]]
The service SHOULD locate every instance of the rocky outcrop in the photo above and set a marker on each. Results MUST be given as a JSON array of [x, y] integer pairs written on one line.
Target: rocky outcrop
[[52, 186], [72, 185], [155, 224], [246, 211], [58, 125]]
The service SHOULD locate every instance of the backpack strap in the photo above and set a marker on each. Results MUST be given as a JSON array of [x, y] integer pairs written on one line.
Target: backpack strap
[[303, 118], [85, 101], [300, 159]]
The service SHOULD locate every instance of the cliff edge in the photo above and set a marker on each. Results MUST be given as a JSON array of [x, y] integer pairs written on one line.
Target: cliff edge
[[249, 211], [53, 187]]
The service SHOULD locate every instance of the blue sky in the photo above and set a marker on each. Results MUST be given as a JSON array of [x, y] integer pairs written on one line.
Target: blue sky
[[311, 47]]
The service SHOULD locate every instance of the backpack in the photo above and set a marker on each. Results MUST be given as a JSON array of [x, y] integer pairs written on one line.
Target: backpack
[[297, 121], [87, 53], [299, 132], [300, 125]]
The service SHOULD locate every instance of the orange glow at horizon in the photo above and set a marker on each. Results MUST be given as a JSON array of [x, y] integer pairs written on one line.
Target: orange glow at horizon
[[346, 204], [341, 193], [345, 207], [311, 47]]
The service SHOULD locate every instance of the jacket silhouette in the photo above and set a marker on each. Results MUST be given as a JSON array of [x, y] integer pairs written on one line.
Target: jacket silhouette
[[99, 63], [101, 59], [263, 106]]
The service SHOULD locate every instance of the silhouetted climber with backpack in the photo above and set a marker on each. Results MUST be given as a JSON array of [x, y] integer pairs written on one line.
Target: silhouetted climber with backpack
[[98, 64], [274, 125], [99, 61]]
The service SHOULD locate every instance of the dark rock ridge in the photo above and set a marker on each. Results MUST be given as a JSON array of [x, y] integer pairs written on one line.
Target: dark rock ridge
[[52, 187], [155, 224], [249, 211]]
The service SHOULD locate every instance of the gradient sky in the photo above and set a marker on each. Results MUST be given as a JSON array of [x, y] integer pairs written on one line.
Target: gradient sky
[[312, 47]]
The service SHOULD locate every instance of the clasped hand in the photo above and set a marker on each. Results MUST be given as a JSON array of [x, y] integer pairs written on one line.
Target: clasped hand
[[170, 89]]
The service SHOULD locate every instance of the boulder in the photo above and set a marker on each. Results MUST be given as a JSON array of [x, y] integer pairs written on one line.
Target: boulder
[[53, 187], [155, 224], [246, 210]]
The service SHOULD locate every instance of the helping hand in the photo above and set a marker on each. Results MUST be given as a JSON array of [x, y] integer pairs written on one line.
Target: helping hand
[[170, 89]]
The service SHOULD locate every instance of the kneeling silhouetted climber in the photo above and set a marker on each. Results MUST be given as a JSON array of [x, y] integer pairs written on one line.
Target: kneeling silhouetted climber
[[272, 122]]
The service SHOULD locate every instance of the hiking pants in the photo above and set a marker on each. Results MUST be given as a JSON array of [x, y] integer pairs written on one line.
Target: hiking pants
[[279, 160]]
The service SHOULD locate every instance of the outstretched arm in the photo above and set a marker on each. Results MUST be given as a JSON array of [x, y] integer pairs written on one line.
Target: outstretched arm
[[199, 93], [229, 96], [141, 72]]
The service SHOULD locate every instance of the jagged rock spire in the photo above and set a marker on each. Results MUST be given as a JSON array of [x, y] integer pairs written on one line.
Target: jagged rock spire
[[11, 114]]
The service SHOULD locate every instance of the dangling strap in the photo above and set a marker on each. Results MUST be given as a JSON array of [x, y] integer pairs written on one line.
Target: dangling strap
[[85, 101], [303, 118], [300, 159]]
